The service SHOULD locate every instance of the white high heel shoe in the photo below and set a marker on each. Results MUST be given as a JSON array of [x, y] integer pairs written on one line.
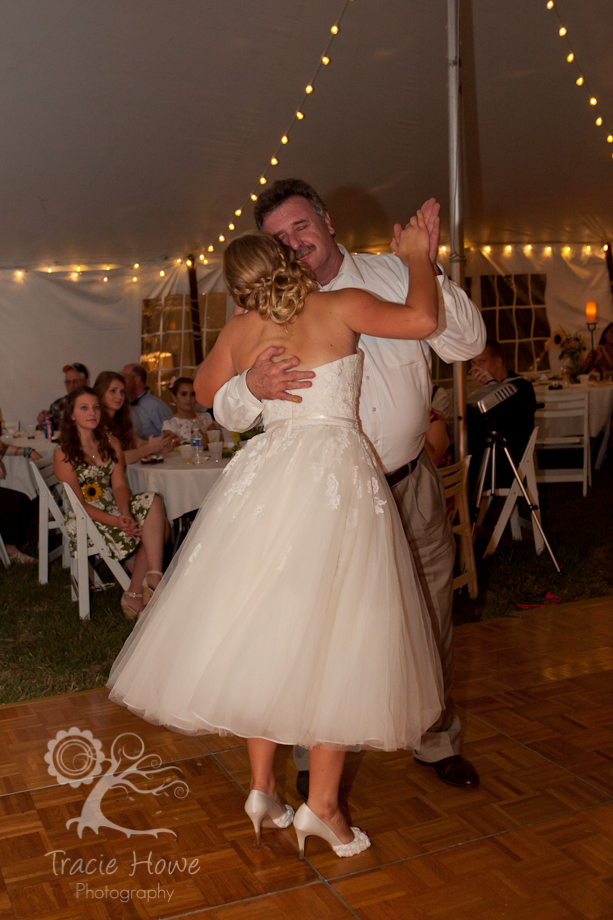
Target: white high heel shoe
[[307, 824], [265, 812]]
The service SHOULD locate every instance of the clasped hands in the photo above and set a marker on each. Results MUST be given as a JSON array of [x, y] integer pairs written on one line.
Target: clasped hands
[[128, 525], [269, 379]]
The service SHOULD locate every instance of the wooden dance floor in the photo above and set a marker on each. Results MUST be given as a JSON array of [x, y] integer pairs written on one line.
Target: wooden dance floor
[[533, 842]]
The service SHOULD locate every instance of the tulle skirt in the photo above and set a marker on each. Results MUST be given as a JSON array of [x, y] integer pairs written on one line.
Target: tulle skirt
[[293, 611]]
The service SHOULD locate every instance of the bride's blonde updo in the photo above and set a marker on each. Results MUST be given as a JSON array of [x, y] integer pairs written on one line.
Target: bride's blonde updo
[[262, 274]]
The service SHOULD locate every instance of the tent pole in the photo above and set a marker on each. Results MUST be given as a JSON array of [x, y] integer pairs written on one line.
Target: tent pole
[[455, 199]]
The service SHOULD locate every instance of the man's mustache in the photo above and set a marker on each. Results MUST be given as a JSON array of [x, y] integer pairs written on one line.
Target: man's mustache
[[304, 251]]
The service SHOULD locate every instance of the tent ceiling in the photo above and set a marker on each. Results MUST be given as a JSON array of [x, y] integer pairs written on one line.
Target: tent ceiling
[[132, 130]]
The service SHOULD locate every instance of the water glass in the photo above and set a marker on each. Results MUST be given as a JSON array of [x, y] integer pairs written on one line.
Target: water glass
[[213, 435], [187, 453], [216, 450], [30, 431]]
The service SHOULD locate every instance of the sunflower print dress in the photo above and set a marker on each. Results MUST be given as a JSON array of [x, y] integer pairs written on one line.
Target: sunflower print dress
[[95, 482]]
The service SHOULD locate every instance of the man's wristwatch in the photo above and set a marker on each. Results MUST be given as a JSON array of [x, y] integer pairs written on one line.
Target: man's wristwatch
[[26, 452]]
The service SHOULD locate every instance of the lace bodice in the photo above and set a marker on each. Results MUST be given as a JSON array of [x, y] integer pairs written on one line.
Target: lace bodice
[[334, 394]]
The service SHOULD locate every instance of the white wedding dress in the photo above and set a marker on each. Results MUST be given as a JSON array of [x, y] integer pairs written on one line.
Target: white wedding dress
[[293, 611]]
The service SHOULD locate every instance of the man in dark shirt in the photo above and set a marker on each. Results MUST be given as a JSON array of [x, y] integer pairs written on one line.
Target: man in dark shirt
[[513, 418]]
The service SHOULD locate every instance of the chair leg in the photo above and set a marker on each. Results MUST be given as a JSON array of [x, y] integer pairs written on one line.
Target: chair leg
[[603, 447], [43, 538]]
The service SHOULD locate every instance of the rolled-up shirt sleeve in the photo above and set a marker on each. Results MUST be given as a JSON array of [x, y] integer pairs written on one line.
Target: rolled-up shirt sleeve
[[461, 333], [235, 406]]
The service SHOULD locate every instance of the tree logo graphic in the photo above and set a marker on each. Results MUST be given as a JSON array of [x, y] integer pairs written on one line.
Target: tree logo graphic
[[75, 757]]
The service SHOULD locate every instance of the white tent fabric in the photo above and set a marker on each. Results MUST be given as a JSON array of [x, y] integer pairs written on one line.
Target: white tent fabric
[[132, 132]]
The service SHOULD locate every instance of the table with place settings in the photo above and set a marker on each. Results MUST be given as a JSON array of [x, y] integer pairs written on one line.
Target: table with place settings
[[183, 486], [600, 404]]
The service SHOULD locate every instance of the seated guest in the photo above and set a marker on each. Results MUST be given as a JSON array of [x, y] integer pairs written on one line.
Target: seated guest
[[601, 359], [111, 390], [148, 412], [186, 422], [437, 436], [75, 375], [91, 462], [15, 507], [514, 417]]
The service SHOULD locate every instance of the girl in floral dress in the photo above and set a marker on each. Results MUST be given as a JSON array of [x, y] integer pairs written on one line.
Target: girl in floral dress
[[186, 423], [91, 462]]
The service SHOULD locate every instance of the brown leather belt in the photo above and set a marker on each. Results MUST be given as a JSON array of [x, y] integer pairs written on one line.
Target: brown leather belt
[[394, 478]]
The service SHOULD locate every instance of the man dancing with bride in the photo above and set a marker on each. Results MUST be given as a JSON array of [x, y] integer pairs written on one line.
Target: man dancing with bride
[[293, 613]]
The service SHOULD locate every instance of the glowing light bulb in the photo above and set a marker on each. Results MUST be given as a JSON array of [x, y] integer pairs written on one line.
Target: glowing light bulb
[[605, 248], [508, 248], [262, 180], [488, 249], [562, 30], [221, 238], [570, 57], [205, 261], [136, 265], [566, 250], [299, 116], [325, 59], [599, 121], [105, 279], [548, 249], [230, 226], [74, 274], [334, 30], [588, 248], [443, 249], [78, 268], [308, 89], [610, 139], [178, 261], [189, 263], [210, 249], [108, 268], [201, 257], [19, 274], [162, 274], [274, 161], [284, 139], [238, 212], [528, 248], [134, 278], [579, 81], [550, 5], [253, 197], [593, 101], [49, 270]]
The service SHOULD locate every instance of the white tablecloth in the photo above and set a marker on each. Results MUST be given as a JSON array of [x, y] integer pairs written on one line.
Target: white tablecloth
[[18, 469], [600, 405], [183, 486]]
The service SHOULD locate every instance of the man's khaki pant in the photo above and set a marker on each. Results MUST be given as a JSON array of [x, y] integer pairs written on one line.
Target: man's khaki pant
[[421, 502]]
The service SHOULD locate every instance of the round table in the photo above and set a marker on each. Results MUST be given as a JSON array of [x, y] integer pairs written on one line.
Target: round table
[[600, 403], [17, 467], [182, 485]]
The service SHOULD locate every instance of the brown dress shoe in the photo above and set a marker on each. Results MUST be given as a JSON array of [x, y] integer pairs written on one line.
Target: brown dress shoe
[[454, 770]]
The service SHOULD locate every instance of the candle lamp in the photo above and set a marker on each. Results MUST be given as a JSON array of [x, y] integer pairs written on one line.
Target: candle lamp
[[590, 315]]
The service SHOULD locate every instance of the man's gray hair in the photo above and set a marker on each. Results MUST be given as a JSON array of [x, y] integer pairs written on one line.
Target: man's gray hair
[[278, 194]]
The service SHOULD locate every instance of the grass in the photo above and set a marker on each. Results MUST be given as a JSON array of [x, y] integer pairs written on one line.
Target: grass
[[45, 649]]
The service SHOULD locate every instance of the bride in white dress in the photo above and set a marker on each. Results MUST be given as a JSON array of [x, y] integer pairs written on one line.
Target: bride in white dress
[[293, 613]]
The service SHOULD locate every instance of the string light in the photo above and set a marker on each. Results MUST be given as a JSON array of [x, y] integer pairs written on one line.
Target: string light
[[443, 249], [19, 274], [488, 249], [49, 270], [162, 274], [136, 265], [566, 250], [528, 248], [210, 249], [548, 249], [134, 278], [605, 248], [189, 263], [221, 238], [108, 268], [508, 248], [205, 261], [105, 279], [78, 268], [588, 248], [570, 57], [178, 261], [610, 139], [323, 61]]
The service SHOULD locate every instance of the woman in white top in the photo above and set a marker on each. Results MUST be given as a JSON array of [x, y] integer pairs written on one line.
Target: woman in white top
[[187, 423]]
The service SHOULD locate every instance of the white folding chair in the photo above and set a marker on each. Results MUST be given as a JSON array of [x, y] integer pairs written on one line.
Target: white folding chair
[[4, 556], [455, 479], [90, 542], [50, 517], [567, 412]]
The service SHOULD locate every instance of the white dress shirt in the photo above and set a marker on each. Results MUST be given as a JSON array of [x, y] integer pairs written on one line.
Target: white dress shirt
[[397, 384]]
